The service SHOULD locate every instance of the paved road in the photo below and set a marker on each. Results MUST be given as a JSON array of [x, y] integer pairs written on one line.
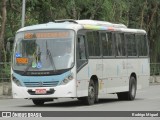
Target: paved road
[[147, 99]]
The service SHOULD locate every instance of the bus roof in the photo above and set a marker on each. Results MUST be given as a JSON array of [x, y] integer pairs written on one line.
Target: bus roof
[[52, 25], [82, 24]]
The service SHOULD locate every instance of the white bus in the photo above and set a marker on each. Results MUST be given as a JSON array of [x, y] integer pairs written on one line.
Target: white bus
[[83, 59]]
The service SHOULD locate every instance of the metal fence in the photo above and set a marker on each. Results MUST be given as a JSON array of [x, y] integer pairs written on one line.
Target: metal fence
[[155, 69], [5, 71]]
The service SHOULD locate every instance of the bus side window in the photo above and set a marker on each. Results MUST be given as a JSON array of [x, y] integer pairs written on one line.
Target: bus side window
[[107, 44], [131, 44], [81, 51], [142, 45], [93, 43], [120, 44]]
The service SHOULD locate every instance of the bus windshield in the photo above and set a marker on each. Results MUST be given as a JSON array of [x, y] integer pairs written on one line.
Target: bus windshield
[[51, 50]]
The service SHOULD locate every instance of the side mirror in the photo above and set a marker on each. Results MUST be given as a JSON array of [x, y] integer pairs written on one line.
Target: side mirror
[[9, 43], [10, 39]]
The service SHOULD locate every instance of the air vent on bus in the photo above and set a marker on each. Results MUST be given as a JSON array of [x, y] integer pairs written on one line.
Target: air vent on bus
[[41, 84], [66, 20]]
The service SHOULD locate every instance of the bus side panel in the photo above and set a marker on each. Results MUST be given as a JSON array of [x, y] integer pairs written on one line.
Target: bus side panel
[[141, 68], [82, 82], [145, 73], [115, 75]]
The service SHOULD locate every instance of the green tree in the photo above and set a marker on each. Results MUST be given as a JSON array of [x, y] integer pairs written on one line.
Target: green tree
[[144, 14], [2, 32]]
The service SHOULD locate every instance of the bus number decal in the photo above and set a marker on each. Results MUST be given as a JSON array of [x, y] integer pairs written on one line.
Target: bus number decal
[[22, 60]]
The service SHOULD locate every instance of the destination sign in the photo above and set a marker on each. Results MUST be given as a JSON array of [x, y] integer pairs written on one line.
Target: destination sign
[[30, 35]]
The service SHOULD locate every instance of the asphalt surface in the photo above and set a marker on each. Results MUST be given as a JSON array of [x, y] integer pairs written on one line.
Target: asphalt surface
[[147, 99]]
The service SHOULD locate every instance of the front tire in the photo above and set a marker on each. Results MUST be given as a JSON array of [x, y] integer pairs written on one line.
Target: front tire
[[90, 99], [96, 92]]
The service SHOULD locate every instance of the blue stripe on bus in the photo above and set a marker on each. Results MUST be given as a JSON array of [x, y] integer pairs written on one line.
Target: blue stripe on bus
[[52, 78]]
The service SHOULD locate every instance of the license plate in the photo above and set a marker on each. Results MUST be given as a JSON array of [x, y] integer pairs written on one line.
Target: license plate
[[40, 91]]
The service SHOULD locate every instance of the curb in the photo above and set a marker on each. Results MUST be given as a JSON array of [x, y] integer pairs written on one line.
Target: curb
[[155, 83], [5, 97]]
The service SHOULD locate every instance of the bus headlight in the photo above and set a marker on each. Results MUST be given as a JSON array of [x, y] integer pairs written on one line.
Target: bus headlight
[[67, 79], [70, 77], [16, 81]]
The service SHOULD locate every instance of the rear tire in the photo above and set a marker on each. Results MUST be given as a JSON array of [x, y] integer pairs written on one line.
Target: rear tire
[[38, 102], [129, 95], [132, 89]]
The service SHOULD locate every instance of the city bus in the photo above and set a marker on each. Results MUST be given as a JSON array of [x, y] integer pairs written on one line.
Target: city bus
[[83, 59]]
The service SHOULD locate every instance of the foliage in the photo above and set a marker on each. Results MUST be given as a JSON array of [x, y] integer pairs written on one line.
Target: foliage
[[5, 71], [144, 14]]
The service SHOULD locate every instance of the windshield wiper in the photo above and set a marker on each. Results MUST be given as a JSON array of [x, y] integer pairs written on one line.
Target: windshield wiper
[[29, 65], [50, 57]]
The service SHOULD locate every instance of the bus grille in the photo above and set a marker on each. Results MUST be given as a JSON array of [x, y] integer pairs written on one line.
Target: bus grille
[[41, 84]]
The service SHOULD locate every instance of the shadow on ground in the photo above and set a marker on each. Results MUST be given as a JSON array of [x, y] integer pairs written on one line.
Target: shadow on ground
[[76, 103]]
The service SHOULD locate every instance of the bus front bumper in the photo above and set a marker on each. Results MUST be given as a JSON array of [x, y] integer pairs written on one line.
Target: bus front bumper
[[68, 90]]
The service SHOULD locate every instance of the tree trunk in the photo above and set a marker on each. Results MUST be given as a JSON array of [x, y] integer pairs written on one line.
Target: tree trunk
[[74, 10], [152, 16], [142, 14], [2, 48], [97, 5]]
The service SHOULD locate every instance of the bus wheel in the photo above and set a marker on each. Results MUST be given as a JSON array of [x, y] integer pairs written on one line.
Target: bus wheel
[[129, 95], [96, 93], [132, 89], [90, 99], [38, 102]]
